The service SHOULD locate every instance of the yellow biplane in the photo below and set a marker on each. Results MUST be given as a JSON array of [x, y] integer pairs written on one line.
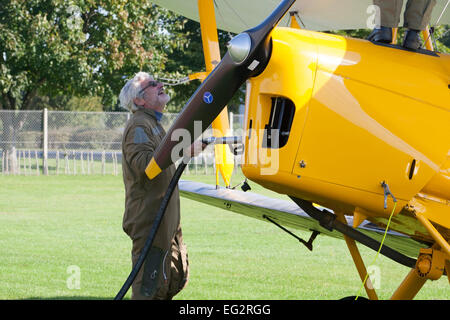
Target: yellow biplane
[[356, 133]]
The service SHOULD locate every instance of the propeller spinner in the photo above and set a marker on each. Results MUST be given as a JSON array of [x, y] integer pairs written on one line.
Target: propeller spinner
[[247, 56]]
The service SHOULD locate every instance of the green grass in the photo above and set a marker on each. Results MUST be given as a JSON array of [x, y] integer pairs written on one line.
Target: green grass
[[49, 223]]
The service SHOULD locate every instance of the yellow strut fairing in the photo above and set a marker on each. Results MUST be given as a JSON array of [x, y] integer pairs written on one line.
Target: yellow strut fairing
[[223, 158]]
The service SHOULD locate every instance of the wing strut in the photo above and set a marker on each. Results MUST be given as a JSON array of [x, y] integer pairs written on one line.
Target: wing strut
[[328, 221], [307, 244]]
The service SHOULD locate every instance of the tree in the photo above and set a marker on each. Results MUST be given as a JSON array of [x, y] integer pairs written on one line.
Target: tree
[[75, 48]]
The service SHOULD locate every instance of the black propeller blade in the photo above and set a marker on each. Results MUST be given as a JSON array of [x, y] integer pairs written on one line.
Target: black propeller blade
[[247, 56]]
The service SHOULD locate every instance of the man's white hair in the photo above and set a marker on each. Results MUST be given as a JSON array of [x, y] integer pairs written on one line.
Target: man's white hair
[[130, 91]]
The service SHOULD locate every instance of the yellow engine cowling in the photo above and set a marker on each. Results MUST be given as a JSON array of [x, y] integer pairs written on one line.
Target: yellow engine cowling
[[439, 185], [360, 114]]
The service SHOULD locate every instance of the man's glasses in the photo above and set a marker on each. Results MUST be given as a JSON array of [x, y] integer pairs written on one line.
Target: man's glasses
[[150, 84]]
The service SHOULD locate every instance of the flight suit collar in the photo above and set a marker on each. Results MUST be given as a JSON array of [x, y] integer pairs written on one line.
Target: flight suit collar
[[151, 113]]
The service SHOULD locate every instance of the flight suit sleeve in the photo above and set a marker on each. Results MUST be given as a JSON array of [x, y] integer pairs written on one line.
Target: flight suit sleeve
[[139, 148]]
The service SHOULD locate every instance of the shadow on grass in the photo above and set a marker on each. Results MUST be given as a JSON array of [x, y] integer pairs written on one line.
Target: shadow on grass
[[69, 298]]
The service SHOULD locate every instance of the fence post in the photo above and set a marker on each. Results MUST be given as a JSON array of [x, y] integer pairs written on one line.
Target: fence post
[[37, 162], [114, 154], [57, 162], [29, 161], [6, 162], [82, 162], [19, 160], [74, 162], [205, 163], [196, 165], [66, 162], [92, 161], [45, 142], [231, 123], [24, 162], [88, 158], [103, 162]]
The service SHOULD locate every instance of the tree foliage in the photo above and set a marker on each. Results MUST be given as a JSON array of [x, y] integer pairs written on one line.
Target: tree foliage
[[78, 48], [188, 58]]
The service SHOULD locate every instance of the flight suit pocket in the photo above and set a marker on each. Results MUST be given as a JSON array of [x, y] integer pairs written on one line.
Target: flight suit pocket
[[154, 272], [179, 271]]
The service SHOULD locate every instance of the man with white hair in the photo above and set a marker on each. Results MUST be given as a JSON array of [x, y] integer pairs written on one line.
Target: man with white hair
[[165, 271]]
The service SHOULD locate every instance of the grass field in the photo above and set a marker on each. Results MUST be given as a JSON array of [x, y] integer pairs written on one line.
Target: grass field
[[54, 230]]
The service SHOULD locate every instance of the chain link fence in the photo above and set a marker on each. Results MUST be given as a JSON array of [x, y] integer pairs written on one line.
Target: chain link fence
[[67, 142]]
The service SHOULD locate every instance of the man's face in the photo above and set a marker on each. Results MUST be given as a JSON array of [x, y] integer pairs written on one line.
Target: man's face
[[153, 95]]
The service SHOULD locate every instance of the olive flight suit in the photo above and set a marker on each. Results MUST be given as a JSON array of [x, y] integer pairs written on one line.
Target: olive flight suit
[[417, 13], [165, 270]]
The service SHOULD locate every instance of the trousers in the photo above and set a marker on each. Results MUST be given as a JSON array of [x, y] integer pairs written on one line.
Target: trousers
[[417, 13], [164, 273]]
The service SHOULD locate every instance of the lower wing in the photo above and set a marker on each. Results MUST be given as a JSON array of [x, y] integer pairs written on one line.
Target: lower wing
[[288, 214]]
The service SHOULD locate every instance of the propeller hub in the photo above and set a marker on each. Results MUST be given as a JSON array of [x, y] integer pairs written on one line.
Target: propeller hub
[[239, 47]]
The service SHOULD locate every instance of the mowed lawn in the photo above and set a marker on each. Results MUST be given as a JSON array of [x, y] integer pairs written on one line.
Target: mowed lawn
[[61, 238]]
